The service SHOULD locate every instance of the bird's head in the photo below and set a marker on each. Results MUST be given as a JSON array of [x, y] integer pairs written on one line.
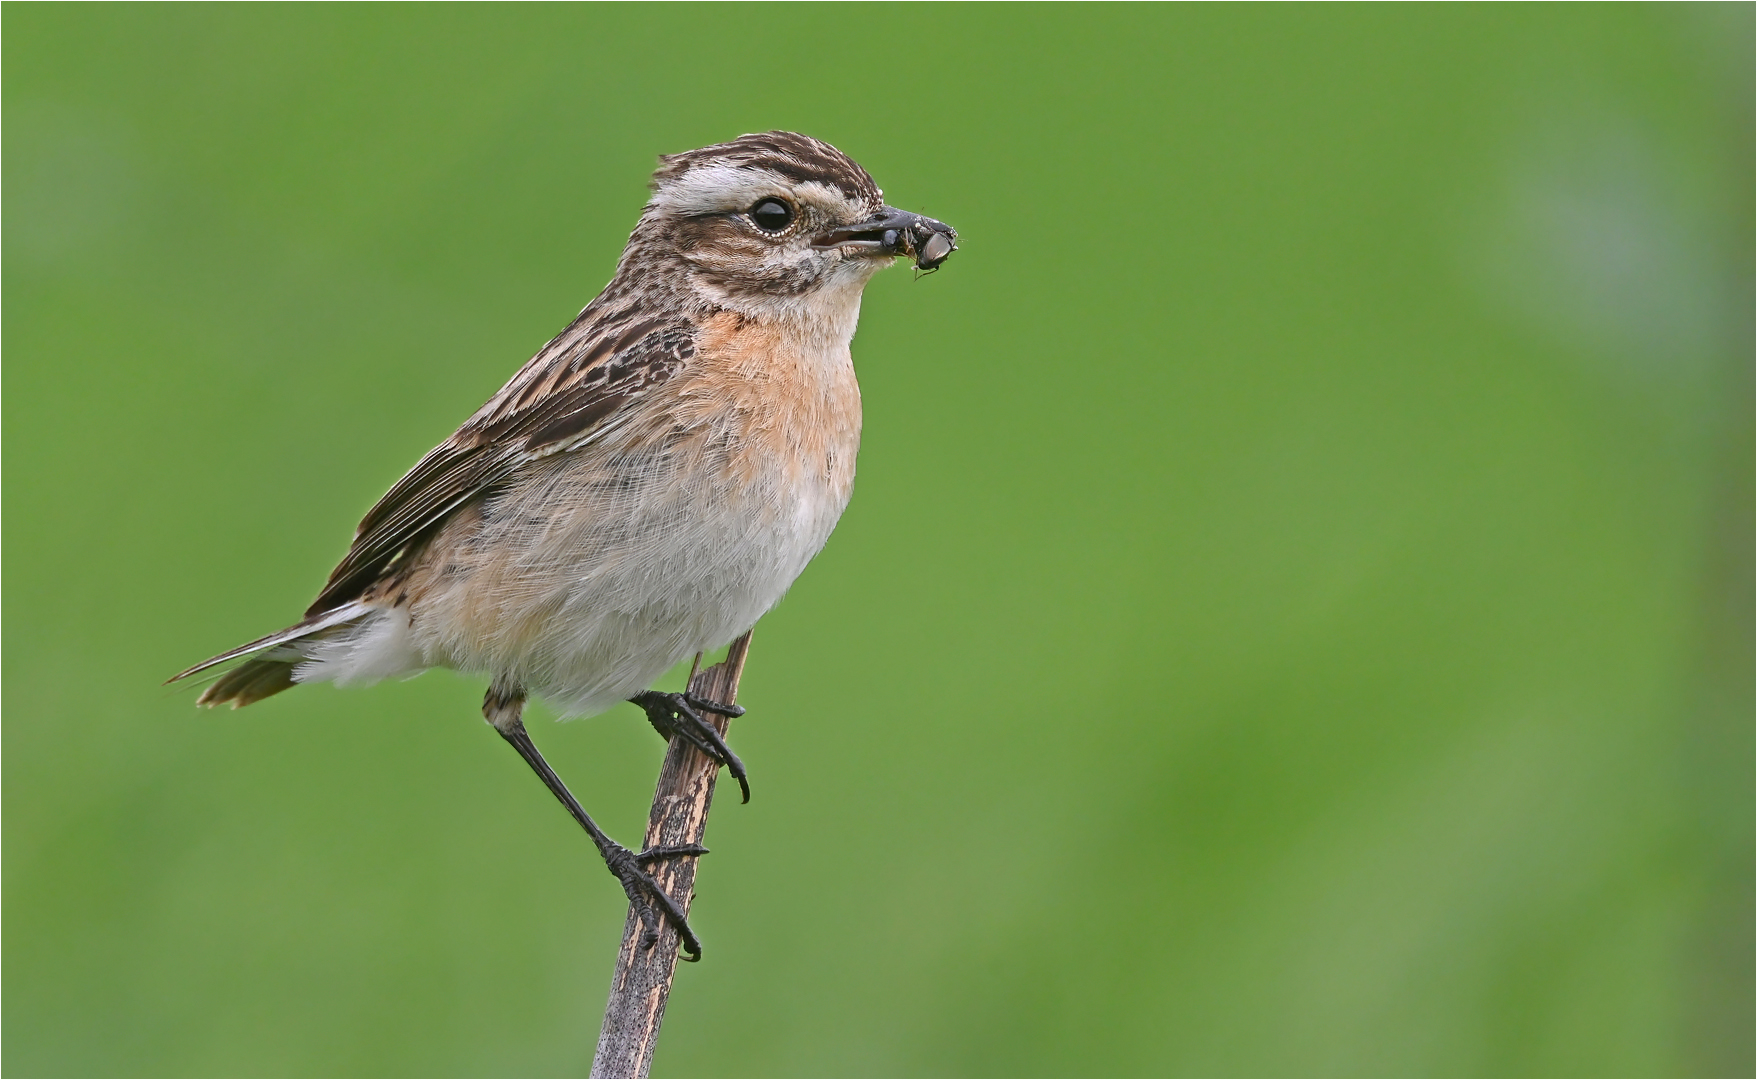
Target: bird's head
[[779, 223]]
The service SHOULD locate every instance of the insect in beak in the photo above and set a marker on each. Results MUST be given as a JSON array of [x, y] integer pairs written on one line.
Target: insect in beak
[[937, 248], [892, 232]]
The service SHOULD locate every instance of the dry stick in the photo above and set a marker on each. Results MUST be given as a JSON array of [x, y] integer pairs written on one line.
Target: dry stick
[[642, 982]]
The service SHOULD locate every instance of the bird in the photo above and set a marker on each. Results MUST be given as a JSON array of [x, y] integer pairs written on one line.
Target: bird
[[644, 488]]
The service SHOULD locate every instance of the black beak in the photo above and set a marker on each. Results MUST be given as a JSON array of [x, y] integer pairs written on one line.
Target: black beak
[[893, 232]]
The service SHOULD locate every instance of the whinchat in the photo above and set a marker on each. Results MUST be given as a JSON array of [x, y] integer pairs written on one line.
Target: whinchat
[[642, 490]]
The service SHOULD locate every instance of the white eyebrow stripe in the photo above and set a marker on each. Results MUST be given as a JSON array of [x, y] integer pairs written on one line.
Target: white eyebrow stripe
[[709, 189], [717, 188]]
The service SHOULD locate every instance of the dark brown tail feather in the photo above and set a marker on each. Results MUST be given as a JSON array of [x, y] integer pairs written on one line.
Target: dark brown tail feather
[[249, 682]]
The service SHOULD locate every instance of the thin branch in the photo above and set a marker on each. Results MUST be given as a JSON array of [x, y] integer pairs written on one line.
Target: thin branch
[[642, 983]]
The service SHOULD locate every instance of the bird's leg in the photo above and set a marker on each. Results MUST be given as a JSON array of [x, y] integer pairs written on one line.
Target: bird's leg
[[680, 715], [504, 707]]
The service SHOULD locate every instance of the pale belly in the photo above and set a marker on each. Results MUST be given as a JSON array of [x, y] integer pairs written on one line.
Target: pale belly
[[585, 585]]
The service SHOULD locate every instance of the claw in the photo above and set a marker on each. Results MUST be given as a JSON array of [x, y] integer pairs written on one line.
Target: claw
[[669, 851], [676, 715], [733, 711], [636, 881]]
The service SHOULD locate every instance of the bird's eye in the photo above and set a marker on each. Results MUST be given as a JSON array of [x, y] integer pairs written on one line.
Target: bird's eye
[[771, 215]]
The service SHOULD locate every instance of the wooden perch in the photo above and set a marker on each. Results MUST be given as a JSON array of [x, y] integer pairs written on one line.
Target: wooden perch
[[642, 983]]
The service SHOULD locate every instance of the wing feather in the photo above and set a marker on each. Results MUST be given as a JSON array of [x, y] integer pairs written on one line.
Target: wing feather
[[558, 401]]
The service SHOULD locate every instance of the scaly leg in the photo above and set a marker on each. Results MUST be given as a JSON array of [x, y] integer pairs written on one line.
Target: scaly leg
[[504, 709]]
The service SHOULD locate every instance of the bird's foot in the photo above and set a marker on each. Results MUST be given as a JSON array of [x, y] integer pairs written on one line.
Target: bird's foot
[[639, 885], [681, 715]]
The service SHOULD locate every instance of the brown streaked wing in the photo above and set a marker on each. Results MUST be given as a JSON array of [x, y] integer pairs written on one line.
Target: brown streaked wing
[[552, 403]]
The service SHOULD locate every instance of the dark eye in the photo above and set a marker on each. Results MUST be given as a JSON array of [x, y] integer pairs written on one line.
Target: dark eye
[[771, 215]]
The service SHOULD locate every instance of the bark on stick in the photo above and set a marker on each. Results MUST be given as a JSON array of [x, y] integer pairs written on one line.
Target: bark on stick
[[642, 983]]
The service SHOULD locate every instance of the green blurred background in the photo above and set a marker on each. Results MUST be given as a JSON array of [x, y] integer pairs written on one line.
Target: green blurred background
[[1293, 618]]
